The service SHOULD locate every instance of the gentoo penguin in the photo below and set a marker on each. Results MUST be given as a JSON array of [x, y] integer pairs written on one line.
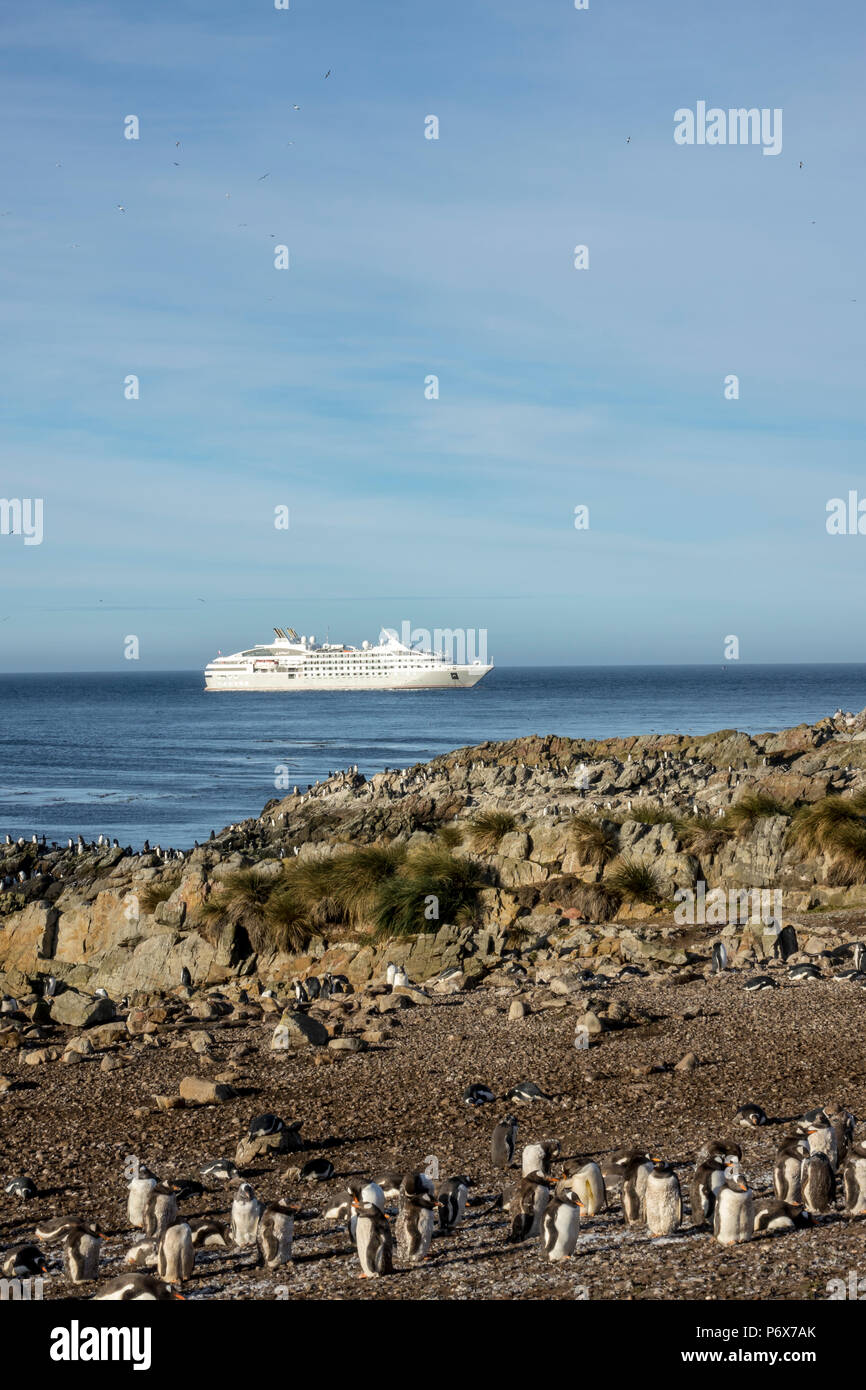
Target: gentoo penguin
[[300, 991], [819, 1183], [451, 1196], [373, 1240], [757, 983], [560, 1226], [843, 1123], [586, 1180], [160, 1212], [129, 1288], [415, 1219], [822, 1139], [711, 1173], [634, 1189], [663, 1200], [263, 1125], [527, 1207], [208, 1234], [502, 1142], [613, 1168], [175, 1255], [141, 1255], [56, 1227], [771, 1214], [140, 1188], [246, 1210], [788, 1168], [275, 1233], [750, 1115], [401, 979], [219, 1170], [81, 1254], [719, 958], [859, 957], [734, 1213], [786, 943], [24, 1262], [390, 1182], [23, 1189], [316, 1170], [854, 1179], [526, 1092], [804, 971], [537, 1158], [478, 1094]]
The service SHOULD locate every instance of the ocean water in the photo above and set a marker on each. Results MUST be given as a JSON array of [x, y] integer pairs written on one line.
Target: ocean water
[[138, 755]]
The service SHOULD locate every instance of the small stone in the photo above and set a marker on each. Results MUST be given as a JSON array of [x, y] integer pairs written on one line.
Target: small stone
[[687, 1063], [200, 1091]]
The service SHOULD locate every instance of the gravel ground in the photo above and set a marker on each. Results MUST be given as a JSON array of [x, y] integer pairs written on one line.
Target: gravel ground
[[71, 1128]]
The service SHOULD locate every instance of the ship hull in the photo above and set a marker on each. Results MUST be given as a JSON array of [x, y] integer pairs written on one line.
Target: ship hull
[[450, 678]]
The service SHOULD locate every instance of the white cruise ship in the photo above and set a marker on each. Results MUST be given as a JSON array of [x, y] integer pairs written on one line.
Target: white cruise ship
[[291, 662]]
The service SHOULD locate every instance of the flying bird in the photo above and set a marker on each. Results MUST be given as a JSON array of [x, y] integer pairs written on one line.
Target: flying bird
[[296, 108], [120, 207], [263, 176], [328, 73]]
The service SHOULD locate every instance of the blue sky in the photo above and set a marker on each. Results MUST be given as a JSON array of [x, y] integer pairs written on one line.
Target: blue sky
[[409, 256]]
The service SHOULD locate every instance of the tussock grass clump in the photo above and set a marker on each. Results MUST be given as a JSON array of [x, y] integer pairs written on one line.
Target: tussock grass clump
[[286, 925], [430, 873], [835, 826], [157, 891], [344, 887], [488, 828], [596, 841], [742, 817], [648, 814], [633, 881], [450, 836], [703, 835]]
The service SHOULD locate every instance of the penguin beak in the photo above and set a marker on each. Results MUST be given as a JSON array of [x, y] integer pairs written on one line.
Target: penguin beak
[[179, 1296]]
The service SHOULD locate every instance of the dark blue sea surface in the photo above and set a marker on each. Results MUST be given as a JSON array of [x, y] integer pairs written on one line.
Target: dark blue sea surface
[[153, 756]]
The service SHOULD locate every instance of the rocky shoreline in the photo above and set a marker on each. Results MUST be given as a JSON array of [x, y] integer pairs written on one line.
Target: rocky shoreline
[[95, 943]]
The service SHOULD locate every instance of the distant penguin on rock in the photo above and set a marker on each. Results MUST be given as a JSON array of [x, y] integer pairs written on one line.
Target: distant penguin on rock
[[719, 958], [502, 1142]]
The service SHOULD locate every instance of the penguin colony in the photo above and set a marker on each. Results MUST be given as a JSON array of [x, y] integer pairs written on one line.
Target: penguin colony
[[392, 1218]]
